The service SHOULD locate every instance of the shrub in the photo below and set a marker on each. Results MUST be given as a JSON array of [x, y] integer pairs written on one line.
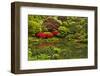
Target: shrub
[[34, 27]]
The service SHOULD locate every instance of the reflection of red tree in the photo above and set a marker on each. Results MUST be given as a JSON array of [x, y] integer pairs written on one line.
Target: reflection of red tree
[[46, 44]]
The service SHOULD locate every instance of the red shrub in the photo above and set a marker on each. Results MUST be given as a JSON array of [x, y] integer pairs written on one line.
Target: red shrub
[[55, 32], [49, 35], [44, 35], [41, 35]]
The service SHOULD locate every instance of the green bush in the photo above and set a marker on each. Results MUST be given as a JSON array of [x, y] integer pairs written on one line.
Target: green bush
[[34, 27]]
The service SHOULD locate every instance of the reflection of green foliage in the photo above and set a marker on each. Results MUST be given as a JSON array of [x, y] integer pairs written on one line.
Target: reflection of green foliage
[[70, 43], [64, 50], [29, 52]]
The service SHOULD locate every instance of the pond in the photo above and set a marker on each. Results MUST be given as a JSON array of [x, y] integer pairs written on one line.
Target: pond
[[57, 48]]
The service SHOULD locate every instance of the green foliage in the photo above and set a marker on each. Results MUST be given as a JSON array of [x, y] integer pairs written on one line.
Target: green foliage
[[34, 27], [63, 31], [70, 43], [34, 24]]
